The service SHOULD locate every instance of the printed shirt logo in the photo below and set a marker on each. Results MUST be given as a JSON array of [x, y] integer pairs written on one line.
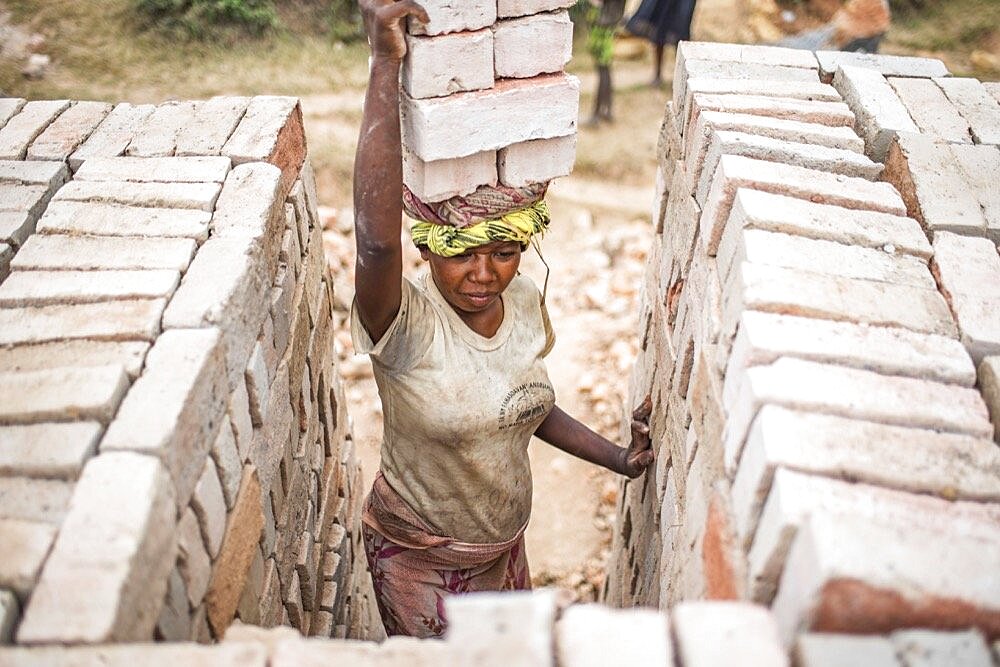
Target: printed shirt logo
[[526, 403]]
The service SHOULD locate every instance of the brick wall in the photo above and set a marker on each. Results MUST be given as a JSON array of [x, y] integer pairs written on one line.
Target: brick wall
[[816, 339], [174, 444]]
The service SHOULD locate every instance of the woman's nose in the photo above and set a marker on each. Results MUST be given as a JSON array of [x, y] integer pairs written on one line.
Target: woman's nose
[[482, 270]]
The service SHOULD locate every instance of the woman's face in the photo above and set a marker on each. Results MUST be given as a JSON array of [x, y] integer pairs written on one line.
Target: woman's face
[[473, 281]]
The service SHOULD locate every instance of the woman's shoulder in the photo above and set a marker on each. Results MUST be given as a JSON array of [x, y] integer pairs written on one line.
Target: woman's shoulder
[[523, 291]]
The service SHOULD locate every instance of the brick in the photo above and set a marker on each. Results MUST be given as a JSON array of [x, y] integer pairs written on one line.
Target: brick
[[736, 172], [77, 353], [212, 125], [532, 45], [830, 650], [220, 289], [174, 623], [239, 419], [763, 338], [248, 609], [194, 563], [510, 8], [32, 119], [895, 401], [236, 556], [157, 136], [902, 458], [924, 648], [695, 68], [976, 105], [234, 654], [895, 577], [10, 612], [831, 160], [794, 498], [747, 54], [709, 634], [210, 506], [49, 174], [185, 380], [902, 66], [251, 207], [443, 179], [968, 270], [831, 114], [62, 394], [26, 545], [194, 196], [155, 170], [537, 161], [796, 90], [257, 383], [15, 228], [57, 251], [445, 17], [68, 131], [45, 288], [980, 165], [989, 384], [589, 635], [879, 112], [40, 500], [448, 64], [992, 87], [931, 110], [502, 629], [29, 199], [6, 255], [513, 111], [113, 135], [104, 219], [228, 462], [52, 450], [112, 321], [9, 107], [272, 132], [118, 537]]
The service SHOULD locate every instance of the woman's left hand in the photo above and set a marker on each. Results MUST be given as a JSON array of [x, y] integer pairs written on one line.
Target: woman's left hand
[[639, 454]]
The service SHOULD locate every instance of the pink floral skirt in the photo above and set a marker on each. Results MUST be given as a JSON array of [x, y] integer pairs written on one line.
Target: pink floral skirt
[[413, 570]]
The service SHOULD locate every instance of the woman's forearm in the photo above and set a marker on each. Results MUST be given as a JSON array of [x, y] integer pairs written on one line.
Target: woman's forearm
[[571, 436]]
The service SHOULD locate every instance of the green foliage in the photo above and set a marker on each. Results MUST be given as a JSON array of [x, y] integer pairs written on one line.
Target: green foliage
[[345, 21], [197, 18]]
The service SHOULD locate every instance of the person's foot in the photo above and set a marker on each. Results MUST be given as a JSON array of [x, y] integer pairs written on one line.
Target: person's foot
[[657, 82], [592, 122]]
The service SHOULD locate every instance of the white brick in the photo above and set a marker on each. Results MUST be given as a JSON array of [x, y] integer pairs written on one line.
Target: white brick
[[62, 394], [537, 161], [493, 629], [9, 106], [114, 321], [896, 401], [251, 207], [736, 172], [47, 450], [694, 68], [932, 112], [590, 635], [981, 166], [18, 133], [56, 251], [976, 105], [113, 135], [16, 227], [235, 654], [533, 45], [155, 170], [879, 112], [212, 125], [906, 459], [444, 179], [832, 114], [968, 270], [918, 68], [446, 16], [513, 111], [25, 199], [158, 134], [926, 648], [509, 8], [102, 219], [26, 545], [239, 419], [447, 64], [796, 90], [78, 353], [10, 612], [185, 381], [118, 538], [747, 54], [68, 131], [710, 634], [830, 650], [6, 255], [39, 500], [259, 135], [194, 563], [989, 384], [228, 462], [992, 87], [209, 505], [16, 172], [257, 383], [196, 196], [45, 288]]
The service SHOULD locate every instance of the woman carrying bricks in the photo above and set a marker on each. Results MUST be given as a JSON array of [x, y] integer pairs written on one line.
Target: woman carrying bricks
[[458, 359]]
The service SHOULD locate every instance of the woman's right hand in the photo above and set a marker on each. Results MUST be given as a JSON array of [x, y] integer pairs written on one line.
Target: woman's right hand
[[385, 25]]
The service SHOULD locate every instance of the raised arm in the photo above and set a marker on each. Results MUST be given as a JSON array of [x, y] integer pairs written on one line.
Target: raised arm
[[378, 170]]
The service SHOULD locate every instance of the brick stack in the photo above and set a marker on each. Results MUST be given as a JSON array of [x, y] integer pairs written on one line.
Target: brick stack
[[485, 99], [822, 445], [174, 445]]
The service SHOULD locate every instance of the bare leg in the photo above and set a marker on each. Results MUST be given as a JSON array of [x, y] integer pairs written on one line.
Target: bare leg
[[658, 67], [605, 93]]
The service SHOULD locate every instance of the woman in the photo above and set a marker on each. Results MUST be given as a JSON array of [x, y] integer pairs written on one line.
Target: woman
[[662, 22], [458, 362]]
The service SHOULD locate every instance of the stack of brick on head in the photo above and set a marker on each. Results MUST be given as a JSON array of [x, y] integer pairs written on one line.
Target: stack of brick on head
[[488, 118]]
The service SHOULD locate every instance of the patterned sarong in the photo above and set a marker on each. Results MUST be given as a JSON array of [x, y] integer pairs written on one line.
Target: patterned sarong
[[413, 570]]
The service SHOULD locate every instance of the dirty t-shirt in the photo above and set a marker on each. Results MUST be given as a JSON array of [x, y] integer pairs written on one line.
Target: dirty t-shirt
[[459, 409]]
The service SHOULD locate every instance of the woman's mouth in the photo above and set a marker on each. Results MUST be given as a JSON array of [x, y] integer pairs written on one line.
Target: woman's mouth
[[481, 299]]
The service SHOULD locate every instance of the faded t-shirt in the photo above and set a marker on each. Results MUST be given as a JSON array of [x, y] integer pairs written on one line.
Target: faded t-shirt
[[459, 409]]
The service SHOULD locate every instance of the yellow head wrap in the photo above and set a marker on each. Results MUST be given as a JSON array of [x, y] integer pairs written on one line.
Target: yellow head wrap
[[449, 241]]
